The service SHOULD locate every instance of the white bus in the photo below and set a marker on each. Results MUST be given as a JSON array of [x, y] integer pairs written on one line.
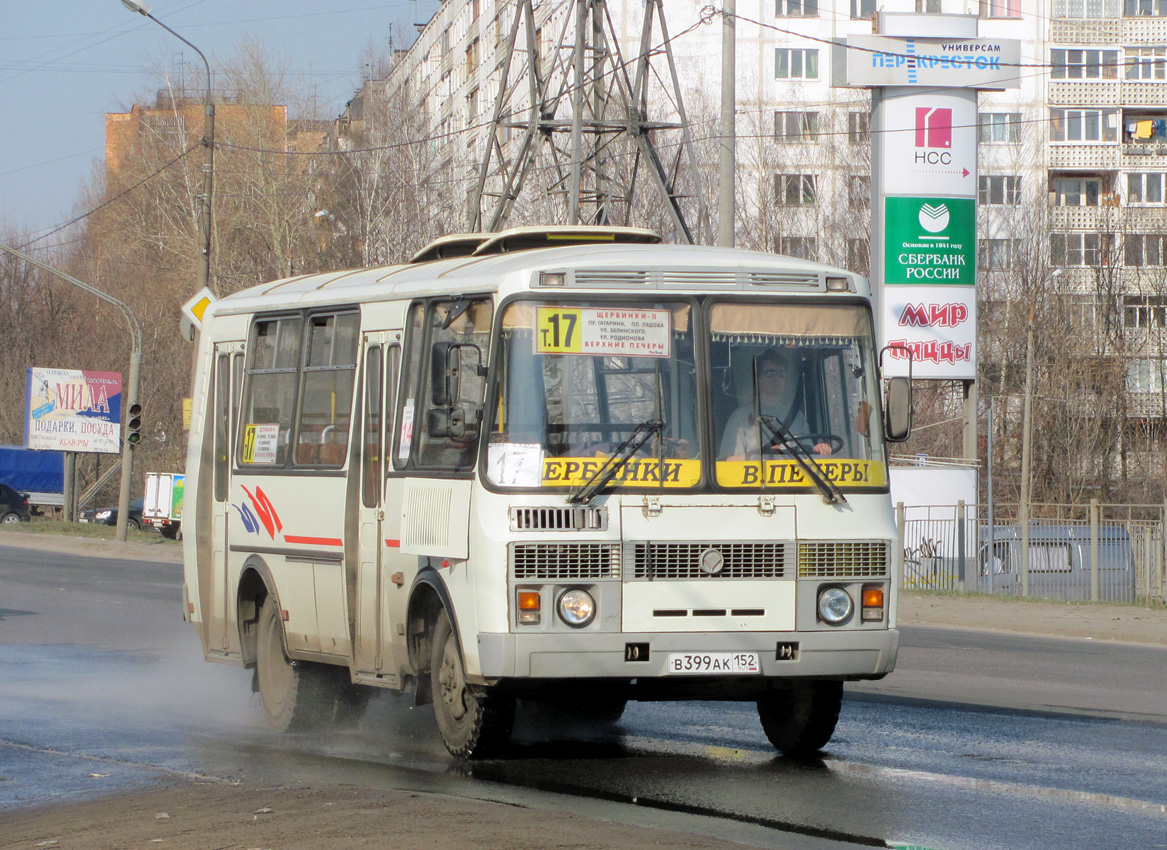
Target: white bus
[[551, 466]]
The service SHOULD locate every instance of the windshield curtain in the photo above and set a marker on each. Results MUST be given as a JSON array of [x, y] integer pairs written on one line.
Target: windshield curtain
[[804, 374], [577, 379]]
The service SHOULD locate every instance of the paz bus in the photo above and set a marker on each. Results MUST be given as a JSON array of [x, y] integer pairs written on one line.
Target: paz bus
[[498, 473]]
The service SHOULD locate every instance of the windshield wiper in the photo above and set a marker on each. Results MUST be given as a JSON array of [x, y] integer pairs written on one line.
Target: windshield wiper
[[781, 437], [600, 478]]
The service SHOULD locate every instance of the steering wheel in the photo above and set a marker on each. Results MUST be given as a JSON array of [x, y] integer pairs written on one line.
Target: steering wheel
[[809, 441]]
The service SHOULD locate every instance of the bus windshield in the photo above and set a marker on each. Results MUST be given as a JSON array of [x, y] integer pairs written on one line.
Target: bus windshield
[[794, 380], [784, 385], [579, 379]]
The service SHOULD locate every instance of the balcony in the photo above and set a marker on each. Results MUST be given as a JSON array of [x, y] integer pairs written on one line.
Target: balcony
[[1149, 29], [1087, 31], [1084, 157], [1085, 93], [1090, 219], [1149, 94]]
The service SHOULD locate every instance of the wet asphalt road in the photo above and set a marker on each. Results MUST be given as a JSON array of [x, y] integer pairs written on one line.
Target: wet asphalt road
[[104, 688]]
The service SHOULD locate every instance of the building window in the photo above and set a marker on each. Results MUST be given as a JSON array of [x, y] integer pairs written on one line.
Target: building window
[[999, 128], [803, 247], [996, 254], [1084, 65], [999, 190], [1144, 311], [862, 8], [1079, 249], [796, 63], [1144, 249], [796, 8], [1146, 63], [472, 57], [1076, 191], [859, 127], [472, 108], [1086, 8], [796, 126], [1146, 376], [1144, 188], [1002, 8], [794, 190], [1083, 125], [859, 191], [1138, 8]]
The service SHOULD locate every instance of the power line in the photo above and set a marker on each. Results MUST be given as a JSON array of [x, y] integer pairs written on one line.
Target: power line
[[109, 201]]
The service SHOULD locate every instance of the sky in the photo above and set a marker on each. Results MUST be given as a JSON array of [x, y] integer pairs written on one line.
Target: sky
[[65, 63]]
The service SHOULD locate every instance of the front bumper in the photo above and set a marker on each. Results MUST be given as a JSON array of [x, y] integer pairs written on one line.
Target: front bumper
[[867, 654]]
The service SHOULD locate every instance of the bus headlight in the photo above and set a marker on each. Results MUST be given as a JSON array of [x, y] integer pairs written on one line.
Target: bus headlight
[[835, 605], [577, 608]]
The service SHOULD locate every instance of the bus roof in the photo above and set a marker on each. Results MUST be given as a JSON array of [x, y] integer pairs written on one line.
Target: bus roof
[[626, 267]]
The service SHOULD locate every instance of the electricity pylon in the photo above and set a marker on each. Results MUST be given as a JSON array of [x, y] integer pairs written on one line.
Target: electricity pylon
[[584, 135]]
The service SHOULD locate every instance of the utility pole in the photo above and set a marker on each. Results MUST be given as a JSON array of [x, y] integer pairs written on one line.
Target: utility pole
[[1026, 430], [727, 200], [579, 101], [203, 270]]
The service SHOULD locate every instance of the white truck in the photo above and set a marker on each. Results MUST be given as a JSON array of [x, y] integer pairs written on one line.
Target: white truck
[[162, 503]]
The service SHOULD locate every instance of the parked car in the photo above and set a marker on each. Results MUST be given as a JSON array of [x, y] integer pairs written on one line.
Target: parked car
[[13, 505], [109, 516]]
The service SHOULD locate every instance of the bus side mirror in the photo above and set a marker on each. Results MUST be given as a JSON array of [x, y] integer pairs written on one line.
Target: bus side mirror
[[451, 424], [445, 373], [897, 416]]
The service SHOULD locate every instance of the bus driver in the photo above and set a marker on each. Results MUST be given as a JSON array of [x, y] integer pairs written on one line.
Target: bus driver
[[777, 398]]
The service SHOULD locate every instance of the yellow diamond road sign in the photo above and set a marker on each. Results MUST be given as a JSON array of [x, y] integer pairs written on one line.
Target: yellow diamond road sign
[[193, 310]]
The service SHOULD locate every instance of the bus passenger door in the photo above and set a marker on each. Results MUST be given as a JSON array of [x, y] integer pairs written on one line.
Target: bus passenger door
[[223, 638], [373, 645]]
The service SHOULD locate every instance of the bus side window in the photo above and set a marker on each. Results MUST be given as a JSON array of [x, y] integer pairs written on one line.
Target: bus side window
[[327, 389], [222, 422], [270, 395]]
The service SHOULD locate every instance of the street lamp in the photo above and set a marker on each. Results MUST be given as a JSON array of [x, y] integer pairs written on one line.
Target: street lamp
[[131, 397], [204, 269]]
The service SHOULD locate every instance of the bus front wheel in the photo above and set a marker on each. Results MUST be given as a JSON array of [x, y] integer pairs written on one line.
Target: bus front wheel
[[294, 693], [471, 725], [800, 718]]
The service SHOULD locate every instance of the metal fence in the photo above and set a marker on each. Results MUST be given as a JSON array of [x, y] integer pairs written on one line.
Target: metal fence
[[1095, 552]]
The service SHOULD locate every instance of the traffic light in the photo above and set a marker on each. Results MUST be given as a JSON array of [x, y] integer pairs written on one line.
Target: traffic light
[[134, 424]]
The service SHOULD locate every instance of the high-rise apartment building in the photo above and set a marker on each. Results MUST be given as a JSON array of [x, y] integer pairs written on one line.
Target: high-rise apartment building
[[1072, 164]]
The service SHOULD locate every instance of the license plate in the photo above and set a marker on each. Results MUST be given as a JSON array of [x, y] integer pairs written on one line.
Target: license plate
[[714, 662]]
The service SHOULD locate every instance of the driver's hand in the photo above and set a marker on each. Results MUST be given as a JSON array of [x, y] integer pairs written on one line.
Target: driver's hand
[[822, 449]]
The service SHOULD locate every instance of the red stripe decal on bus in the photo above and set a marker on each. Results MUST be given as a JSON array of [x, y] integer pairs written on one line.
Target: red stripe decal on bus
[[314, 541]]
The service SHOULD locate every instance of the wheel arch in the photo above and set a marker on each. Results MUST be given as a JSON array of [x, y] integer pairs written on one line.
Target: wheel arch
[[428, 597], [255, 584]]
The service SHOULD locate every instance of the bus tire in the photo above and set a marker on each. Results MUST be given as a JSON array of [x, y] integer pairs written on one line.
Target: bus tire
[[471, 726], [800, 718], [295, 694]]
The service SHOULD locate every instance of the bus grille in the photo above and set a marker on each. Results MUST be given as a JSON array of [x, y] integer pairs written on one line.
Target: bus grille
[[851, 559], [564, 561], [559, 519], [684, 560]]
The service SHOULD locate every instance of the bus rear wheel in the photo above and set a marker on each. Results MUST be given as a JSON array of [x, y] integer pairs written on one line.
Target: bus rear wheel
[[295, 694], [800, 718], [471, 725]]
